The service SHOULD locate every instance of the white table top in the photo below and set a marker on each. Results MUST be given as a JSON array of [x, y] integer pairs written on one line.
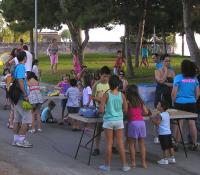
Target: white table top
[[174, 114], [60, 97]]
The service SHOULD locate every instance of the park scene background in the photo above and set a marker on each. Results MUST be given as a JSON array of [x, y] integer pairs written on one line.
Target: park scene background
[[157, 22]]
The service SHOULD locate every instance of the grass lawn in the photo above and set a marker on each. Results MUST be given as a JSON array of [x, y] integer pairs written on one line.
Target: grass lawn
[[96, 61]]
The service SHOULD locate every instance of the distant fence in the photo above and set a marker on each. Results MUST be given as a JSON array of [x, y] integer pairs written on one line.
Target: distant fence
[[92, 47]]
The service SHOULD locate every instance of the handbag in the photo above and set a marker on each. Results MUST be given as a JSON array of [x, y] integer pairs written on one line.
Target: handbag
[[88, 112], [14, 92]]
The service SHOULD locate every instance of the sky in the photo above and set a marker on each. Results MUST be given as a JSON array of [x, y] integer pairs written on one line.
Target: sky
[[103, 35]]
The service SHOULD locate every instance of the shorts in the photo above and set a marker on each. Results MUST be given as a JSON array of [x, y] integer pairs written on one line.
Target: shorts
[[166, 141], [21, 115], [63, 103], [54, 59], [136, 129], [37, 106], [144, 57], [188, 107], [73, 110], [114, 125]]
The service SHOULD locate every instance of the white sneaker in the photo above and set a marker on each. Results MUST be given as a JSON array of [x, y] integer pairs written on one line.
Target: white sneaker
[[32, 131], [156, 140], [163, 162], [171, 160], [24, 144], [39, 130]]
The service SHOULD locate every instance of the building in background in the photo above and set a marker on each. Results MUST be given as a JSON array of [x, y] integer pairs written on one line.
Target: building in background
[[46, 37]]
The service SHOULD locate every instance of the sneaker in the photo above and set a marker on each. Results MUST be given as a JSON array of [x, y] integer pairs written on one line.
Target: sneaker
[[39, 130], [104, 168], [171, 160], [14, 143], [125, 168], [96, 152], [114, 150], [32, 131], [156, 140], [163, 162], [24, 144]]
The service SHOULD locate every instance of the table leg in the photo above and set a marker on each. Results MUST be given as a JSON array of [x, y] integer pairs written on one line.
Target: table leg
[[79, 143], [182, 138], [94, 137], [91, 148]]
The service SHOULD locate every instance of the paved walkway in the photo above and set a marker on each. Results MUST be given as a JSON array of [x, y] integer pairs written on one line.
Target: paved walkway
[[54, 149]]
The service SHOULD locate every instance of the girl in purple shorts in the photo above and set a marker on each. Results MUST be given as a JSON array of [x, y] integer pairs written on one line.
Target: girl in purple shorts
[[136, 124]]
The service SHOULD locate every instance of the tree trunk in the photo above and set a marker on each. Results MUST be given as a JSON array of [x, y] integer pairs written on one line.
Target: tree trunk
[[183, 44], [192, 45], [130, 72], [76, 35], [174, 42], [140, 36], [31, 42], [77, 42], [164, 42]]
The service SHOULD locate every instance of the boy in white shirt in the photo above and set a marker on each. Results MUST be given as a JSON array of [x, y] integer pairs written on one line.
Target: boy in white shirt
[[165, 136]]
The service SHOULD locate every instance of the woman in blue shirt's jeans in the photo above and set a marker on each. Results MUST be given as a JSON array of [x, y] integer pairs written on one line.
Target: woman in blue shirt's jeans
[[185, 93]]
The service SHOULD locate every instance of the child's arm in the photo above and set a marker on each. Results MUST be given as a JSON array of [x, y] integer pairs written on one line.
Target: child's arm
[[156, 119], [125, 104], [145, 111], [103, 103]]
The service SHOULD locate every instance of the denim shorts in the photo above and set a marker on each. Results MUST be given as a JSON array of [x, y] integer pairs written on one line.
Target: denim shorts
[[114, 125]]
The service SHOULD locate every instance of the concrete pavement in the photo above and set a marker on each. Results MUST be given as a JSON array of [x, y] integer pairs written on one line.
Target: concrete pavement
[[54, 149]]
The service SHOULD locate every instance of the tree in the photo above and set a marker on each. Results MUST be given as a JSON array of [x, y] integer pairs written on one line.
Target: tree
[[188, 6], [82, 16], [20, 15], [65, 35]]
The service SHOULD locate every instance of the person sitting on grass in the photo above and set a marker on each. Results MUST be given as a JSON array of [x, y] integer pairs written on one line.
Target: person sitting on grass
[[165, 136], [46, 115]]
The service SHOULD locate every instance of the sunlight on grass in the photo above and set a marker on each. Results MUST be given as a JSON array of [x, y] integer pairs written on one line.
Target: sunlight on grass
[[95, 61]]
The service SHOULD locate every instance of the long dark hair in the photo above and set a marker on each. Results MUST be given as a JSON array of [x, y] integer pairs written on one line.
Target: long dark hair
[[31, 75], [133, 96]]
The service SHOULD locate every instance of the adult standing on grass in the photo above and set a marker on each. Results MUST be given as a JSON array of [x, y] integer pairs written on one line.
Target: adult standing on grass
[[144, 55], [184, 95], [52, 51], [22, 117]]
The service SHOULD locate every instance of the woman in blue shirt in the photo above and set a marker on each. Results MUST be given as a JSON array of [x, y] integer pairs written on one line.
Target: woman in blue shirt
[[185, 93]]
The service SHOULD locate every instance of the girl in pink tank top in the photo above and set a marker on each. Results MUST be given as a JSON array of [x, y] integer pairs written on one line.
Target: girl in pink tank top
[[136, 124]]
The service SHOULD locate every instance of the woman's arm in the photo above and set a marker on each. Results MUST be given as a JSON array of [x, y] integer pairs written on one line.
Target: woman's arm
[[161, 76], [197, 92], [174, 92]]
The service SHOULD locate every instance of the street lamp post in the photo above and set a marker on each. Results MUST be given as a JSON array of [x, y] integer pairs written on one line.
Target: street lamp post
[[36, 34]]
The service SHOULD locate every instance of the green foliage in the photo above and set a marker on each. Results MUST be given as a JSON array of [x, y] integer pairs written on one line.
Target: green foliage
[[20, 14], [65, 35], [95, 61]]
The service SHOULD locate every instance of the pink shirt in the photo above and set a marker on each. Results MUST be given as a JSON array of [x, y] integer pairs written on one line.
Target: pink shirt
[[135, 114]]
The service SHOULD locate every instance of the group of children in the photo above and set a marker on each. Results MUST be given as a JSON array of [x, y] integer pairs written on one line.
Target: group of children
[[103, 92]]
